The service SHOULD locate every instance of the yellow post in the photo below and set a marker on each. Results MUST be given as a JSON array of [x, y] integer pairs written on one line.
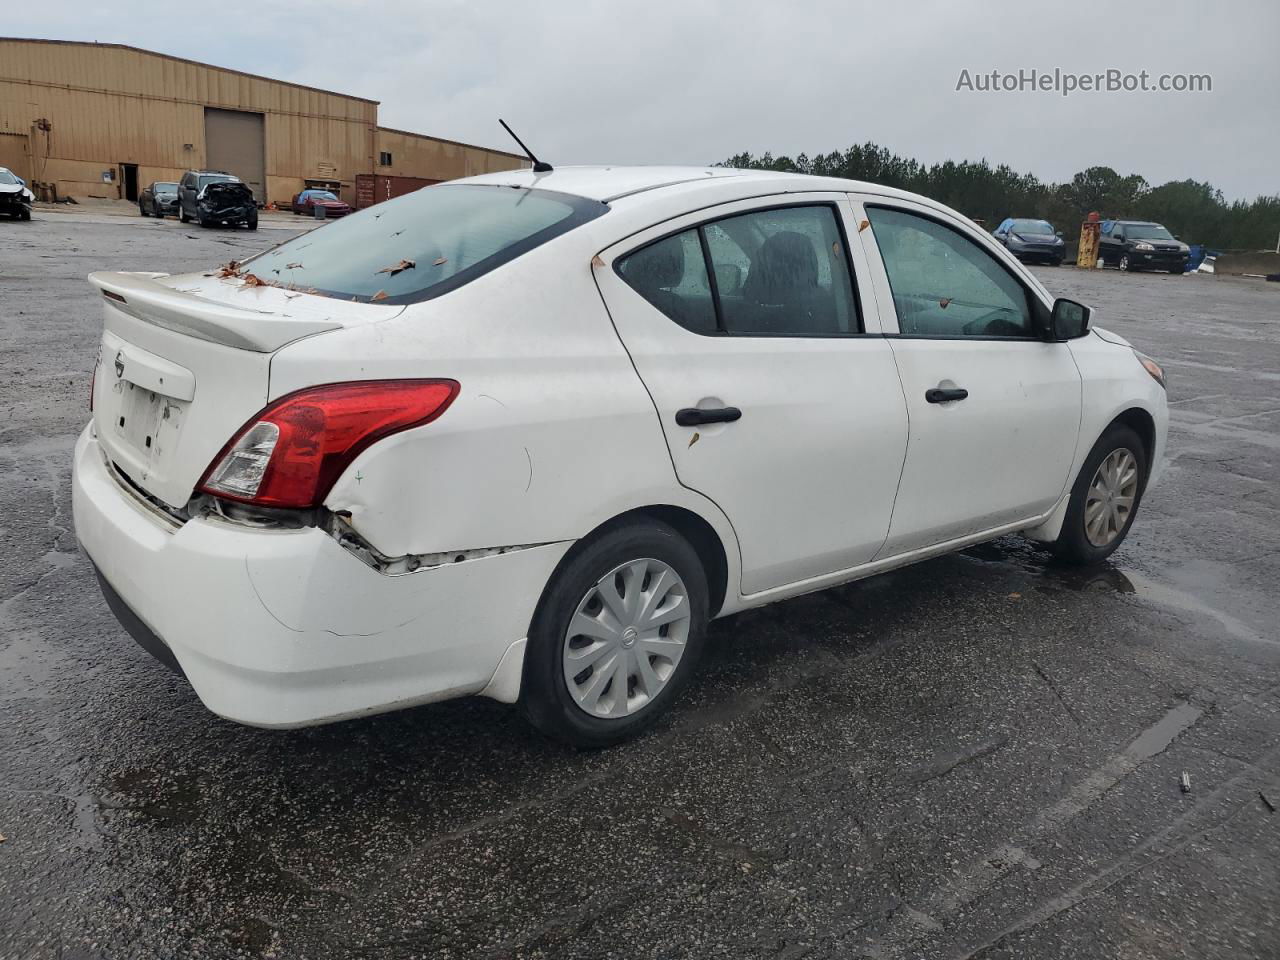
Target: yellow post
[[1087, 254]]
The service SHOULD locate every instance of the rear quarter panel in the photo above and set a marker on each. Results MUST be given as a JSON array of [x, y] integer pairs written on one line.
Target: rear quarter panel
[[552, 432]]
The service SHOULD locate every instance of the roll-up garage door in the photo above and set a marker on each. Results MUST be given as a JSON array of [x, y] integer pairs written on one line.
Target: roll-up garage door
[[234, 142]]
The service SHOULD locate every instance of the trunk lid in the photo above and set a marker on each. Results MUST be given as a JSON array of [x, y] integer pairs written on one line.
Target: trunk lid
[[185, 361]]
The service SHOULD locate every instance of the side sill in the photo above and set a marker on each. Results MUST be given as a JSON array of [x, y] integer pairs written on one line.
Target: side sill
[[814, 584]]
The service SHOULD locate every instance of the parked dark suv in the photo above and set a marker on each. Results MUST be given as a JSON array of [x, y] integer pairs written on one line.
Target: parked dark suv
[[1141, 245], [211, 197], [1031, 240]]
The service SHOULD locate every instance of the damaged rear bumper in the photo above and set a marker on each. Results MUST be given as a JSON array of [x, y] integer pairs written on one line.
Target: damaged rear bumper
[[286, 628]]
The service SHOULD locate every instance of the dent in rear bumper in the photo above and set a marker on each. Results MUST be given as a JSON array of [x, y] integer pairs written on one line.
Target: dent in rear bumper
[[285, 628]]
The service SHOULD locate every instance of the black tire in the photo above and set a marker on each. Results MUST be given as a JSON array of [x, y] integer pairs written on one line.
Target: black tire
[[544, 695], [142, 210], [1073, 544], [252, 222], [182, 215], [1125, 265]]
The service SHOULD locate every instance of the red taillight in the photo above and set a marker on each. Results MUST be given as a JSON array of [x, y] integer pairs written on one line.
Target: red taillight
[[291, 453]]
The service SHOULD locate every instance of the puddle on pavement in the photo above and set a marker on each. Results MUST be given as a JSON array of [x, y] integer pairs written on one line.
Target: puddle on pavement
[[1035, 561]]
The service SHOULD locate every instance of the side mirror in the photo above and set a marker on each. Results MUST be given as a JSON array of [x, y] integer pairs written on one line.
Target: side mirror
[[1057, 233], [1069, 319]]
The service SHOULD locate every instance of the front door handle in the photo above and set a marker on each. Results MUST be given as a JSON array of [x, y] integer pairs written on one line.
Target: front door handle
[[696, 417], [945, 394]]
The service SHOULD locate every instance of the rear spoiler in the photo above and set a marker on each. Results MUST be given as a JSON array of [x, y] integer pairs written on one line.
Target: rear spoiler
[[262, 331]]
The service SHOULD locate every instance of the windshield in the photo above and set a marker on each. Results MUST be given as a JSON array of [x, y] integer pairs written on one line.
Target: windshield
[[1032, 227], [166, 188], [322, 195], [424, 243], [1146, 231], [7, 177], [217, 178]]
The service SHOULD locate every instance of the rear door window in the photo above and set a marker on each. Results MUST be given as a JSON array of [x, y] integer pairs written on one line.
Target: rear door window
[[423, 244], [672, 275], [786, 273], [781, 271]]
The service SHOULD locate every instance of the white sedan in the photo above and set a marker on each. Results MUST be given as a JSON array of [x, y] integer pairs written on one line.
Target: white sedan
[[524, 435]]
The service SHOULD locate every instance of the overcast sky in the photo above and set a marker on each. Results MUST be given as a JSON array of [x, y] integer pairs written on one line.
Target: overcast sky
[[683, 81]]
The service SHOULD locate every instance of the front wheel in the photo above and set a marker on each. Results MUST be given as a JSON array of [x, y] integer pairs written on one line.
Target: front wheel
[[616, 635], [1124, 263], [182, 215], [252, 222], [1104, 498]]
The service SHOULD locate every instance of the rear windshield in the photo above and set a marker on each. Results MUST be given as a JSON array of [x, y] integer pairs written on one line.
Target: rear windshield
[[423, 244]]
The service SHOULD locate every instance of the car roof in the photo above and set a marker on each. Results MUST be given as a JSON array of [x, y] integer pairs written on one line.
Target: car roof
[[610, 183], [606, 183]]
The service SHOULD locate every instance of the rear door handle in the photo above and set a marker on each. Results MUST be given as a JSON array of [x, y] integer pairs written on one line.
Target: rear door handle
[[695, 417], [945, 394]]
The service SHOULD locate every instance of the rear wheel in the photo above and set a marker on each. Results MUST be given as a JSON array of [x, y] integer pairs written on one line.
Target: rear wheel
[[1104, 498], [616, 636]]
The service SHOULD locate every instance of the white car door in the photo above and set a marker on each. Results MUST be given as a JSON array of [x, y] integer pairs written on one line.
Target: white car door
[[994, 409], [779, 399]]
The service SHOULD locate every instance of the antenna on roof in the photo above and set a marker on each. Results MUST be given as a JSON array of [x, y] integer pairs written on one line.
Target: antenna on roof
[[538, 165]]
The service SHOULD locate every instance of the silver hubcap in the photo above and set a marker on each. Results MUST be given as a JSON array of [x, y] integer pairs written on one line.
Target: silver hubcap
[[1110, 499], [626, 638]]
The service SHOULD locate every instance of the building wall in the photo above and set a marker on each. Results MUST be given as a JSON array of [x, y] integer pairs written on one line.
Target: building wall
[[417, 155], [110, 105]]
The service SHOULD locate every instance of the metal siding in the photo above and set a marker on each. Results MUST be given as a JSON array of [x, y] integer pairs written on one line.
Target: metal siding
[[417, 155], [112, 105]]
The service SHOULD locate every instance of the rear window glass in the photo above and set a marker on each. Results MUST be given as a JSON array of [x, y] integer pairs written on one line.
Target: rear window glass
[[423, 244]]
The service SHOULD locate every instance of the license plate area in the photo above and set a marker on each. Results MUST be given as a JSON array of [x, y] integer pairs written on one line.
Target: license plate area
[[143, 422], [138, 417]]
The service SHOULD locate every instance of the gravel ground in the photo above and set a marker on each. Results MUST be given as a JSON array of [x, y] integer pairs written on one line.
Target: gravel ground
[[978, 756]]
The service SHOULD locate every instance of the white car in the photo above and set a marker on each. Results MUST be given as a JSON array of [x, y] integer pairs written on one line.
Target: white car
[[524, 435]]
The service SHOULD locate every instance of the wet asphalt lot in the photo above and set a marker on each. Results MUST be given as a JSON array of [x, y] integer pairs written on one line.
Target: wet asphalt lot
[[975, 757]]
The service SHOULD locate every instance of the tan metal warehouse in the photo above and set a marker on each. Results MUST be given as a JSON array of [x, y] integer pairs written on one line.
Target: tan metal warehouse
[[104, 120]]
